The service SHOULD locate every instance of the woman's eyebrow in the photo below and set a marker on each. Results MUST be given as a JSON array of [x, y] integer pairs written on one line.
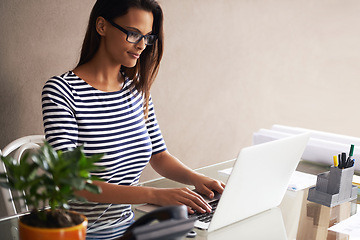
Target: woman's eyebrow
[[137, 30]]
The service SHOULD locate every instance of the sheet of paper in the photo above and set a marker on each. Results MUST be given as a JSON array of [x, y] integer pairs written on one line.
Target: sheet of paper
[[356, 180], [300, 180], [225, 172], [350, 226]]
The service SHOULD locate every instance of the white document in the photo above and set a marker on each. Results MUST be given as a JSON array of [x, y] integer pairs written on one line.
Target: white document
[[298, 181], [225, 172], [350, 226], [356, 180]]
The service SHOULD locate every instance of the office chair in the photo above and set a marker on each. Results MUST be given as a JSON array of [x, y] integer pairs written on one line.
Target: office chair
[[16, 148], [165, 223]]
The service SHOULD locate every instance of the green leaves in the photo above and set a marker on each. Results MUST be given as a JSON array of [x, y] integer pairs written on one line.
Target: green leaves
[[51, 177]]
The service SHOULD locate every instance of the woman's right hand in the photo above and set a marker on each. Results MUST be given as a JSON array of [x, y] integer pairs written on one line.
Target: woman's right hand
[[180, 196]]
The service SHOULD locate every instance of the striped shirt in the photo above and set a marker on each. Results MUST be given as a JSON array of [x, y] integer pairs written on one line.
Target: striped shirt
[[75, 113]]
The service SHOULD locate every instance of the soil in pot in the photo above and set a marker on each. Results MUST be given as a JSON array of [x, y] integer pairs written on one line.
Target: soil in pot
[[56, 219]]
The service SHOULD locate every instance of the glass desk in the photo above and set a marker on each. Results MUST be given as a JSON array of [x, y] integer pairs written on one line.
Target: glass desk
[[295, 218]]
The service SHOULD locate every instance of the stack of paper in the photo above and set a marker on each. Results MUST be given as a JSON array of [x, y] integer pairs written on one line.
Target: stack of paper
[[321, 147], [356, 180]]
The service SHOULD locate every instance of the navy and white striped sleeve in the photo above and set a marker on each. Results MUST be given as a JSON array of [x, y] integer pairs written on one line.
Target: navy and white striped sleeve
[[157, 140], [61, 130]]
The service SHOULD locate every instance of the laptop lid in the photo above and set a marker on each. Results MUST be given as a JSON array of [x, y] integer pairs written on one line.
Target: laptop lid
[[259, 179]]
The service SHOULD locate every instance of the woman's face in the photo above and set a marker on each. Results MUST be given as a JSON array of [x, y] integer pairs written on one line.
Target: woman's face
[[117, 48]]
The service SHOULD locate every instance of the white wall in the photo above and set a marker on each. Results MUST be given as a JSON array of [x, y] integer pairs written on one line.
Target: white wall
[[230, 67]]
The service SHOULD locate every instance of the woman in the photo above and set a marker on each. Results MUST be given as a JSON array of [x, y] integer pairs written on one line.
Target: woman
[[105, 105]]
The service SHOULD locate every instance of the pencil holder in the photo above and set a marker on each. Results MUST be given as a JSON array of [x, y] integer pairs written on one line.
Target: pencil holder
[[334, 187]]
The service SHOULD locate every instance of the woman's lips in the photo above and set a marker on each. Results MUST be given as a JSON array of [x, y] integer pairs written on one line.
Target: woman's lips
[[134, 55]]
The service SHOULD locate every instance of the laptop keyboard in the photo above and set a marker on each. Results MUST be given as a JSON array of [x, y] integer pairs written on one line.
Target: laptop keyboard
[[206, 217]]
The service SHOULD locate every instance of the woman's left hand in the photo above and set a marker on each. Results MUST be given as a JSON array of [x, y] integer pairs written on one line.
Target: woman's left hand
[[206, 185]]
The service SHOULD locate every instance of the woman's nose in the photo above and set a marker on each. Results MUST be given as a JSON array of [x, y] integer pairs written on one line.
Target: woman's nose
[[141, 44]]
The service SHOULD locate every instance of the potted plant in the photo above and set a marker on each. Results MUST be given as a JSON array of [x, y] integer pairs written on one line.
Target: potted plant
[[49, 179]]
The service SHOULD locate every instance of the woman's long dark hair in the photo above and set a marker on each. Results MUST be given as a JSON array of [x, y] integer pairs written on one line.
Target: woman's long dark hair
[[147, 67]]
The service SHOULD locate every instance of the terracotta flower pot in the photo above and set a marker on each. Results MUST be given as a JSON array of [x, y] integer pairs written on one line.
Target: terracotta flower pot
[[77, 232]]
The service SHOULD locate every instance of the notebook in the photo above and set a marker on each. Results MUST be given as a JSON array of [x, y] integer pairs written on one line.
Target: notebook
[[258, 181]]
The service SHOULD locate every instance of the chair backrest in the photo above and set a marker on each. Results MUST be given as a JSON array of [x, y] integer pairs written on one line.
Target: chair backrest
[[16, 149]]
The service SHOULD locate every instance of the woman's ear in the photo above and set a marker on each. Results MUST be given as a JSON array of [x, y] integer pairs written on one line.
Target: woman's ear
[[101, 26]]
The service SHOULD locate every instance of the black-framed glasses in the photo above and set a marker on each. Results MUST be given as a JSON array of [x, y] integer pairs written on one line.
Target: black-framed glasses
[[134, 37]]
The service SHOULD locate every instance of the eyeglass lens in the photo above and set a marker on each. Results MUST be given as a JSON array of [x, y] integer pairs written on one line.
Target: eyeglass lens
[[136, 37]]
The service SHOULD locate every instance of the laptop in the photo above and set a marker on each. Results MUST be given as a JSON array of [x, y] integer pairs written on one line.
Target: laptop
[[258, 181]]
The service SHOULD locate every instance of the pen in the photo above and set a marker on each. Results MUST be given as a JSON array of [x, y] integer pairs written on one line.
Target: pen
[[339, 161], [343, 160], [348, 160], [348, 163], [336, 163], [351, 150]]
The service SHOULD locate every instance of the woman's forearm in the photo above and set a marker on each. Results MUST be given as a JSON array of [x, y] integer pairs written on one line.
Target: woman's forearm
[[170, 167], [119, 194]]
